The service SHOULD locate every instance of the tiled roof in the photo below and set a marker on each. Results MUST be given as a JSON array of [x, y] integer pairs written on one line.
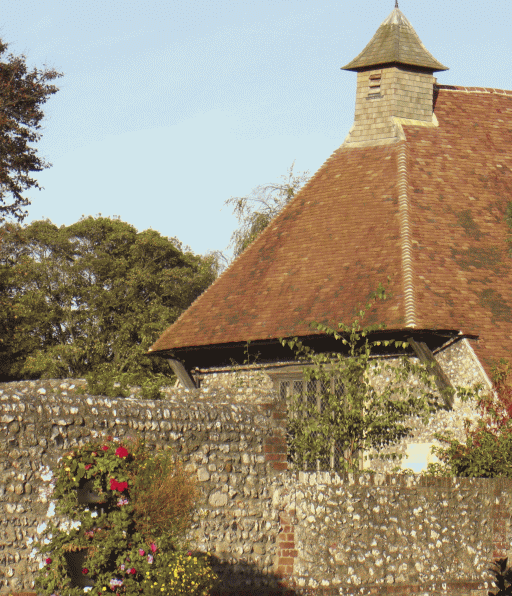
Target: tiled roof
[[395, 42], [347, 230]]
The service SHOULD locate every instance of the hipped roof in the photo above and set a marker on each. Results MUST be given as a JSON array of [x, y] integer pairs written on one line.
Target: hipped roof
[[395, 42], [341, 235]]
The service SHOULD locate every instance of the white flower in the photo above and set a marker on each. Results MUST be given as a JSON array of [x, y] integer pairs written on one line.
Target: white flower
[[88, 589], [94, 514]]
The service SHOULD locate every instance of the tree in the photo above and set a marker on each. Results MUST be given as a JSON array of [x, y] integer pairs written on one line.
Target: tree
[[22, 93], [257, 210], [342, 415], [487, 450], [89, 299]]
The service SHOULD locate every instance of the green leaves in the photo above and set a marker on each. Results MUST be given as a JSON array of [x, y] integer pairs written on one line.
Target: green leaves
[[352, 402], [22, 93], [89, 299], [136, 538]]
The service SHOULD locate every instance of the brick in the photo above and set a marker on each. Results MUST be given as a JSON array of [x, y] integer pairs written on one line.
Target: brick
[[280, 466]]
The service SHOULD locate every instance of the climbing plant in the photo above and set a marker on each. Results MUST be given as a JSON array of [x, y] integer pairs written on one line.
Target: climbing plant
[[128, 513], [342, 414]]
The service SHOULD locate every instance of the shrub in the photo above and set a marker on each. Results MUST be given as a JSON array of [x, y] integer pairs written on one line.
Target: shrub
[[131, 538], [503, 578]]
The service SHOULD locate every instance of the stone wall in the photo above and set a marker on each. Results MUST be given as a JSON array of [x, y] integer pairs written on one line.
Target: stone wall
[[376, 534], [267, 527], [235, 450]]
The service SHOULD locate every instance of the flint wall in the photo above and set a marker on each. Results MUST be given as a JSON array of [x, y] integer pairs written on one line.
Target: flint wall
[[268, 527]]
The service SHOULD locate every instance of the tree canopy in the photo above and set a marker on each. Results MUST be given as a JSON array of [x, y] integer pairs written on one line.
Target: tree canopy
[[90, 298], [255, 211], [22, 93]]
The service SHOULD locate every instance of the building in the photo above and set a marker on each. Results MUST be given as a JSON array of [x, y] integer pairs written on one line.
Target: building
[[417, 194]]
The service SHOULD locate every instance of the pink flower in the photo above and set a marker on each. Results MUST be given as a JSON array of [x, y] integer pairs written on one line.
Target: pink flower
[[141, 552], [48, 561], [132, 571], [153, 547], [121, 452], [122, 567], [87, 466], [150, 558], [189, 554], [105, 447]]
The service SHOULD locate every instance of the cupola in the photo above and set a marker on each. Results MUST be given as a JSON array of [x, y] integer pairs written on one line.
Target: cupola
[[395, 84]]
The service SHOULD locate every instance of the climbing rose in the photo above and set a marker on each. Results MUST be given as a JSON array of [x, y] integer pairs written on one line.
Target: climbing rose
[[105, 447], [48, 561], [87, 466], [141, 552], [85, 571], [152, 546], [132, 571], [121, 452]]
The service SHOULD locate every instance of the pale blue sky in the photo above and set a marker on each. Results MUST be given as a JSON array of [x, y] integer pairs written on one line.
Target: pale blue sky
[[167, 108]]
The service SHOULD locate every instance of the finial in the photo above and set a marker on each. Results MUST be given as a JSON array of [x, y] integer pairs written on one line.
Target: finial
[[396, 3]]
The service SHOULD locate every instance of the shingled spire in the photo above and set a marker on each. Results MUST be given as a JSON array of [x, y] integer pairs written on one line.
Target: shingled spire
[[394, 81]]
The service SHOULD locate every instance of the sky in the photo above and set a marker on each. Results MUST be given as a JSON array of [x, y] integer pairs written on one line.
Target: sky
[[168, 108]]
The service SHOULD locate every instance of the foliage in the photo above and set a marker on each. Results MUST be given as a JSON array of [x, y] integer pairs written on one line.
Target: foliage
[[89, 299], [257, 210], [120, 556], [352, 416], [22, 93], [487, 451], [503, 578]]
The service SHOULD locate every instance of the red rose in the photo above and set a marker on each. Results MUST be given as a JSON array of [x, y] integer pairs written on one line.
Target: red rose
[[121, 452], [48, 561], [113, 484], [132, 571], [87, 466], [105, 447], [85, 571]]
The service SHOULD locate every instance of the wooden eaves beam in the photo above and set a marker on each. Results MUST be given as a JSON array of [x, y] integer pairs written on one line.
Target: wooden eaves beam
[[181, 372], [425, 356]]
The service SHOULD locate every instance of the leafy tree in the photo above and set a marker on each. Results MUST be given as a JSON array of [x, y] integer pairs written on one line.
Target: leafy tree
[[257, 210], [90, 298], [22, 93], [487, 450], [342, 414]]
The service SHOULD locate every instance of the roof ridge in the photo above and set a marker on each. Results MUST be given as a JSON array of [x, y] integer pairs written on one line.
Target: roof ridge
[[474, 89]]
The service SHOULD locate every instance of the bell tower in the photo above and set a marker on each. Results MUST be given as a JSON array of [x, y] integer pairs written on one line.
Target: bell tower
[[395, 84]]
